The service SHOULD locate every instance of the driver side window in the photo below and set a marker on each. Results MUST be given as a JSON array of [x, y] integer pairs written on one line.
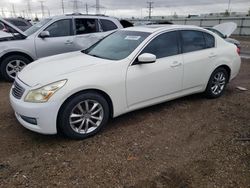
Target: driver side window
[[60, 28], [163, 45]]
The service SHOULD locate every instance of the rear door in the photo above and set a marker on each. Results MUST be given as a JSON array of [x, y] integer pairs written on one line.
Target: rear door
[[60, 39], [198, 57], [87, 32]]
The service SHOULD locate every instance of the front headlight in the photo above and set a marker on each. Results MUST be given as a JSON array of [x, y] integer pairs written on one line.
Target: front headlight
[[44, 93]]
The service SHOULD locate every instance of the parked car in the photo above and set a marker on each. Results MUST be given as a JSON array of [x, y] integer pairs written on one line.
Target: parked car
[[51, 36], [20, 23], [76, 93], [225, 30]]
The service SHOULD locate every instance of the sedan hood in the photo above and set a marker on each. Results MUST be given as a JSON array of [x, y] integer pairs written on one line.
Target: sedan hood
[[49, 69], [226, 28]]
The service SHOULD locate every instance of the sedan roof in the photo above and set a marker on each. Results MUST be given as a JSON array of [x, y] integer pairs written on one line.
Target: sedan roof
[[160, 27]]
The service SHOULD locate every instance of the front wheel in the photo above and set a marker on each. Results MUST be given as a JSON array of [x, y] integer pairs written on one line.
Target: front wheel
[[83, 115], [217, 83], [11, 65]]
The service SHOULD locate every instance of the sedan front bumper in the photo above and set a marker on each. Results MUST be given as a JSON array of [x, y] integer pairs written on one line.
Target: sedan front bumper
[[37, 117]]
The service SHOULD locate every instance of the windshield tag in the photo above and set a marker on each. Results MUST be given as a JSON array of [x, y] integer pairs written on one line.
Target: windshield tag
[[132, 37]]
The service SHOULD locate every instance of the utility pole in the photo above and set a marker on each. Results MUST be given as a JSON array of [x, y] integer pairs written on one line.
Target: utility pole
[[23, 13], [63, 6], [29, 9], [229, 4], [13, 10], [87, 8], [76, 6], [150, 8], [3, 14], [42, 7], [97, 7]]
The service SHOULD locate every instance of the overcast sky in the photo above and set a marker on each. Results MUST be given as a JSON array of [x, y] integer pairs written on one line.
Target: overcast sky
[[129, 8]]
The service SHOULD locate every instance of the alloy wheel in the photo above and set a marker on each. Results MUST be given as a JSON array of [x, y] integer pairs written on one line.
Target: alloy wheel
[[218, 83], [86, 116], [14, 66]]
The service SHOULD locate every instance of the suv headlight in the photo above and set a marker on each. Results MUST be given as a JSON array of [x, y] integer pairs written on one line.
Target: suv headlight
[[44, 93]]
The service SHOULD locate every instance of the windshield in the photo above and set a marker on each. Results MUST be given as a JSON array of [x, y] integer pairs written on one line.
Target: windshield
[[118, 45], [36, 27]]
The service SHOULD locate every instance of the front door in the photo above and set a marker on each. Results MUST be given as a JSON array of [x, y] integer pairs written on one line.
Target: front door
[[60, 39], [147, 82]]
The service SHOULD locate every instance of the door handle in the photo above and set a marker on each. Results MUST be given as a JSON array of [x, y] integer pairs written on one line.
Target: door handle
[[68, 42], [212, 55], [176, 64]]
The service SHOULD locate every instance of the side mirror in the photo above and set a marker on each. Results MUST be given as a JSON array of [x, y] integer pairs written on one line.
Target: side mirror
[[146, 58], [44, 34]]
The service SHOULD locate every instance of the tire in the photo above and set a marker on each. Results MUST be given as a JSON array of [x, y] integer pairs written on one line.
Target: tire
[[77, 122], [217, 83], [11, 65]]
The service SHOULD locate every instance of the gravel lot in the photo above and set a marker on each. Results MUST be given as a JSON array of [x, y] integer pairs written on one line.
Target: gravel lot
[[189, 142]]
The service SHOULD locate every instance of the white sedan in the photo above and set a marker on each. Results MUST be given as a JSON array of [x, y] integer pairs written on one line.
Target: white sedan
[[76, 93]]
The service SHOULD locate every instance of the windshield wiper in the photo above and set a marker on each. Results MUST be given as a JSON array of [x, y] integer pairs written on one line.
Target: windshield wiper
[[95, 55]]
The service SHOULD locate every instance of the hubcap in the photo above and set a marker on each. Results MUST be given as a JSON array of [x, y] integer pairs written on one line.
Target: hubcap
[[15, 66], [86, 116], [218, 83]]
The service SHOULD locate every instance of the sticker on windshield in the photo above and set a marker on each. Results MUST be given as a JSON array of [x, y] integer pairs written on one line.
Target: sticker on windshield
[[132, 37]]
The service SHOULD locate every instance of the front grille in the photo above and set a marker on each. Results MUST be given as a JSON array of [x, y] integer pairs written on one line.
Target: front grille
[[17, 90]]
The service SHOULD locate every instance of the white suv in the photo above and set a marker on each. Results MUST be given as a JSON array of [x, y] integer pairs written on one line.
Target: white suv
[[51, 36]]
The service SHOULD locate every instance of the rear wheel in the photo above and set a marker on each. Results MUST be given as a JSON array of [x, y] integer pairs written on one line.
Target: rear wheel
[[11, 65], [217, 83], [84, 115]]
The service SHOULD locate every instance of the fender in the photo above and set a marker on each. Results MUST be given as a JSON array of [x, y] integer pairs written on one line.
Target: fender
[[17, 50]]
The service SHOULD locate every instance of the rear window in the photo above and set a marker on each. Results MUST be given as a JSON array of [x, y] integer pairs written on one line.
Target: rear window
[[210, 41], [108, 25], [85, 26], [192, 41]]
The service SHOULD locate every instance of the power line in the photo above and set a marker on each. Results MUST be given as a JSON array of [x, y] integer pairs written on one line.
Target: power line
[[150, 8]]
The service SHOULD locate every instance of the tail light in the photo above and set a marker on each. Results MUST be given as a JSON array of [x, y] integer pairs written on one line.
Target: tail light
[[238, 50]]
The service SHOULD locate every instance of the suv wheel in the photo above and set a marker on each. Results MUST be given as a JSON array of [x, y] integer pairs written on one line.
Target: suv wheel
[[84, 115], [11, 65]]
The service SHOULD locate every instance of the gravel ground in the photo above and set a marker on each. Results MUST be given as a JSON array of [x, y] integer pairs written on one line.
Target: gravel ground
[[189, 142]]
